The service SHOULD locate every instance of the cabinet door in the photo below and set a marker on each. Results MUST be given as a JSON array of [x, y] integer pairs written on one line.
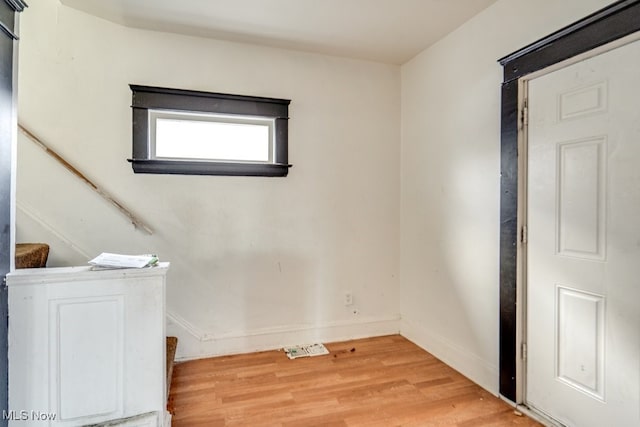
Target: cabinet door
[[86, 358], [95, 351]]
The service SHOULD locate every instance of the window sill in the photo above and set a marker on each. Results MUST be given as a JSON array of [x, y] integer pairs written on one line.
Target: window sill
[[181, 167]]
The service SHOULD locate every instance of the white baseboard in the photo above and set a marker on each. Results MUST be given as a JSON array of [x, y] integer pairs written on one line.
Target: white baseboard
[[194, 343], [478, 370]]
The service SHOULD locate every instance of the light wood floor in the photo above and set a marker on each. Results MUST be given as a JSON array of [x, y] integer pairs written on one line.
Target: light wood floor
[[384, 381]]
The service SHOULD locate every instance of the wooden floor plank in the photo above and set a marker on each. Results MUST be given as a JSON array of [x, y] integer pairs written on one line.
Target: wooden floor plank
[[382, 381]]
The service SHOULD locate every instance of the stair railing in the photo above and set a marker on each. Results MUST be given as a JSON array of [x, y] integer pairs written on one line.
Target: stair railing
[[137, 222]]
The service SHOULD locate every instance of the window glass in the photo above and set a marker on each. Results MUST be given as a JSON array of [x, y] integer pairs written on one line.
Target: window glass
[[217, 138]]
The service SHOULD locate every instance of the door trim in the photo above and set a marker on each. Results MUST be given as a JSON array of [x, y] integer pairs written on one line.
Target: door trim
[[616, 21], [9, 27]]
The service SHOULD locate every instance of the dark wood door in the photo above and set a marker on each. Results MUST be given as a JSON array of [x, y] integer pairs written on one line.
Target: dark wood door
[[8, 38]]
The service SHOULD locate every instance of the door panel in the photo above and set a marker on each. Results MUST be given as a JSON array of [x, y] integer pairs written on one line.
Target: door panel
[[581, 194], [580, 350], [583, 250]]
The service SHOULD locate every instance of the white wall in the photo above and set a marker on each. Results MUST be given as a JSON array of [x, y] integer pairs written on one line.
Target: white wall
[[450, 181], [258, 262], [255, 262]]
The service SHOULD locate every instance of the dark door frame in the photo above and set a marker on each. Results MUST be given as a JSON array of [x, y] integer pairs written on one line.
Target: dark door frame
[[617, 20], [9, 10]]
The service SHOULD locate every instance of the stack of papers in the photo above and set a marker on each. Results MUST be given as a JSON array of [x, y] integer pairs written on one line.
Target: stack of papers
[[305, 351], [108, 261]]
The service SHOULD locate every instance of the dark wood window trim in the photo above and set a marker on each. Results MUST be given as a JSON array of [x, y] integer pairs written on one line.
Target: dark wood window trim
[[618, 20], [145, 98]]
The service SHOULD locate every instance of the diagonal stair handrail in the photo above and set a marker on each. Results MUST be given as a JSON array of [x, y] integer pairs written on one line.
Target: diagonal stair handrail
[[137, 222]]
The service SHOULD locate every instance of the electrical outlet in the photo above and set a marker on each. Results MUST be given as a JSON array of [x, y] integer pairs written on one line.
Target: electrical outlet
[[348, 298]]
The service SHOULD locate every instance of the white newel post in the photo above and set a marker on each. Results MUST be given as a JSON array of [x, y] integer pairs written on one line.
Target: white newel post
[[87, 347]]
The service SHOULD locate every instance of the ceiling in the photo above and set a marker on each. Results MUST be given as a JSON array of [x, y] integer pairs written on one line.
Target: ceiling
[[390, 31]]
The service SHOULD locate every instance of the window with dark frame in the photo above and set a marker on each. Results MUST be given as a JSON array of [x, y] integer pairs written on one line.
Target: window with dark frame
[[189, 132]]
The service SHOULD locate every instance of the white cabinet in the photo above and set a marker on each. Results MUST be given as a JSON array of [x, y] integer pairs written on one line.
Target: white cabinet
[[86, 346]]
